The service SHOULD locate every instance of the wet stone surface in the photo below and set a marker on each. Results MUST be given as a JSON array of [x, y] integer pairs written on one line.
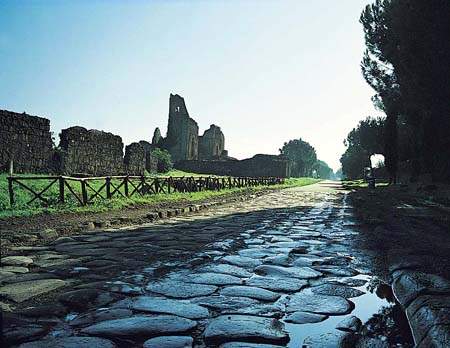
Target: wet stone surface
[[274, 271]]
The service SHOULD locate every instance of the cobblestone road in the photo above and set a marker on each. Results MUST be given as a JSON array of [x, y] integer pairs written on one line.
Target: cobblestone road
[[276, 270]]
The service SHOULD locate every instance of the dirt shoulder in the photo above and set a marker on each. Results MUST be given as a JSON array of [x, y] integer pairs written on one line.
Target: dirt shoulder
[[41, 229], [401, 225]]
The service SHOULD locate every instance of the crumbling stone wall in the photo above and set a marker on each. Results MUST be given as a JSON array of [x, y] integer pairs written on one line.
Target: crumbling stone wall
[[182, 131], [26, 139], [264, 165], [90, 152], [134, 160], [211, 144], [151, 162], [259, 165]]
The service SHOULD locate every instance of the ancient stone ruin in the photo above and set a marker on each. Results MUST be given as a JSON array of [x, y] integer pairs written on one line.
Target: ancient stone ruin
[[90, 152], [26, 140], [134, 159], [182, 132], [258, 165], [211, 145]]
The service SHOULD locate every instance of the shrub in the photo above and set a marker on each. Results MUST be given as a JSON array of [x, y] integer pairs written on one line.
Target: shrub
[[164, 160]]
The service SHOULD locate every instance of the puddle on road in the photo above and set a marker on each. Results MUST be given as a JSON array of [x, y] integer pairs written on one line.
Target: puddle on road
[[381, 316]]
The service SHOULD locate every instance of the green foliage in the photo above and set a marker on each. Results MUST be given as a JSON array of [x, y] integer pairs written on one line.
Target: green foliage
[[323, 170], [362, 142], [302, 156], [406, 62], [21, 207], [164, 160]]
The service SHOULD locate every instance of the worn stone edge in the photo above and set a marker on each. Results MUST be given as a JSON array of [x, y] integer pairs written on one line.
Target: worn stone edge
[[438, 333]]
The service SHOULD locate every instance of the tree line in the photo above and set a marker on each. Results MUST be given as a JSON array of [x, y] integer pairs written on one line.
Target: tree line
[[303, 160], [407, 63]]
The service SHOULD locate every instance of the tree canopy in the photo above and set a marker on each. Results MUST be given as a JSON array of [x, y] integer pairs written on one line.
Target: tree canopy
[[302, 155], [362, 142], [406, 63]]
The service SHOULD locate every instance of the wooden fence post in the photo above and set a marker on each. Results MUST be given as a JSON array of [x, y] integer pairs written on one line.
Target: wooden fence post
[[142, 184], [108, 187], [84, 196], [156, 185], [126, 185], [61, 189], [11, 191]]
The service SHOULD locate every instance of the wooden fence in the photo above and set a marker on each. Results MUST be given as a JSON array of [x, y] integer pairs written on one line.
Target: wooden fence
[[84, 191]]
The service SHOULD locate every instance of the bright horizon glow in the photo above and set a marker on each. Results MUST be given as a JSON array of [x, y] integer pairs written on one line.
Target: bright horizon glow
[[264, 71]]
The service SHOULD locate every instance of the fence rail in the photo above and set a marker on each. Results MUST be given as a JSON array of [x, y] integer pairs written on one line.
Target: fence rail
[[86, 190]]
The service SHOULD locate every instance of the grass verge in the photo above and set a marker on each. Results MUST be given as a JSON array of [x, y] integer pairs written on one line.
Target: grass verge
[[21, 207]]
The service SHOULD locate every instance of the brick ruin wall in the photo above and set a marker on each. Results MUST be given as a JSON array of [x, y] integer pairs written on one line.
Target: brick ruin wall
[[259, 165], [26, 139], [90, 152]]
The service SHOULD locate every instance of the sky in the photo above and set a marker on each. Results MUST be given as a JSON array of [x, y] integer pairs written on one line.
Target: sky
[[265, 71]]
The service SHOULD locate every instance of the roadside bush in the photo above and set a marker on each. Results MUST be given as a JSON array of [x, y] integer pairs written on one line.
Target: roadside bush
[[164, 160]]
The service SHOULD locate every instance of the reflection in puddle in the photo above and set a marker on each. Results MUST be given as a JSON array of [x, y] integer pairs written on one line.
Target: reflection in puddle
[[382, 317]]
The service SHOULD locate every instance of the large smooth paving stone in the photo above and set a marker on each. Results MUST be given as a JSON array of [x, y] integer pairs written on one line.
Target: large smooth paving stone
[[17, 261], [20, 292], [81, 298], [296, 272], [290, 245], [337, 290], [409, 285], [101, 314], [169, 342], [124, 288], [274, 310], [438, 336], [43, 310], [14, 269], [161, 305], [280, 239], [18, 278], [141, 326], [220, 302], [227, 269], [179, 289], [277, 283], [255, 253], [337, 271], [250, 291], [241, 261], [57, 262], [304, 261], [330, 340], [350, 324], [351, 281], [70, 342], [321, 304], [245, 328], [247, 345], [213, 279], [427, 311], [24, 332], [254, 241], [280, 260], [304, 318]]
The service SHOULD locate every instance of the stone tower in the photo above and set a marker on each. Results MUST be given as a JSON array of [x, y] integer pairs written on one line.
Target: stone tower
[[211, 144], [182, 131]]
